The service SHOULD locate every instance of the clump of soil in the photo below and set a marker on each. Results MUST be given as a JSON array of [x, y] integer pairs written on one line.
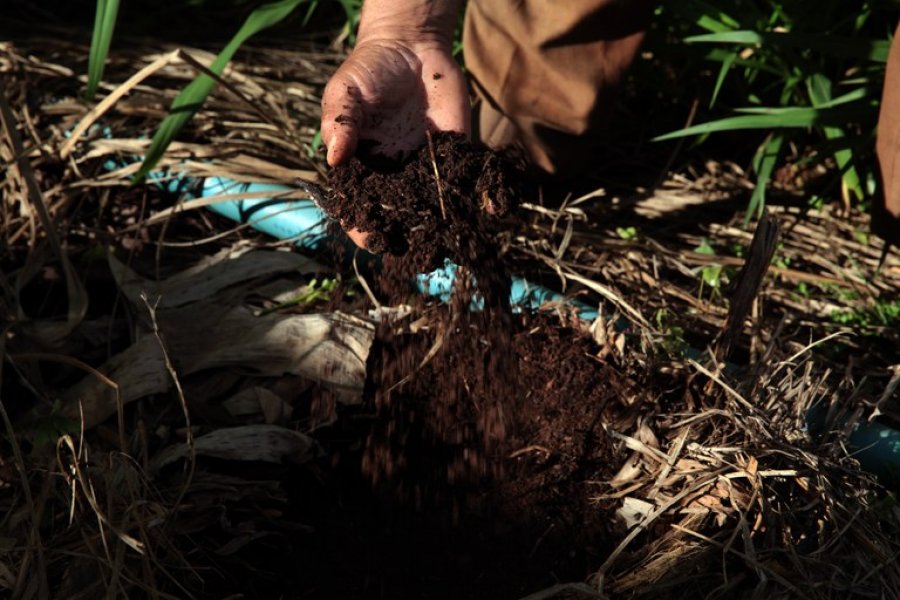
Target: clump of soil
[[436, 204]]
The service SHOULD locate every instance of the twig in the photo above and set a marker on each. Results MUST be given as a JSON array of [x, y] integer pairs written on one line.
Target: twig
[[87, 488], [730, 390], [187, 417], [365, 284], [756, 564], [98, 110], [645, 523], [77, 295], [437, 175]]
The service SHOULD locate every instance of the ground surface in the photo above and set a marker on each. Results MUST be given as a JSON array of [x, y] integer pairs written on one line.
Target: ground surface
[[620, 458]]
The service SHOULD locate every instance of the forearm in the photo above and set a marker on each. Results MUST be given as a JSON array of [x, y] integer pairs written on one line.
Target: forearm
[[422, 20]]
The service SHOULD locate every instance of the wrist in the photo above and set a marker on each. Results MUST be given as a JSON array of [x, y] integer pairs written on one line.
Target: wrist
[[428, 23]]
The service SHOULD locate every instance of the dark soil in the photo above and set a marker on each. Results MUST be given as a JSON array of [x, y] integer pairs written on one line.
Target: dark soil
[[445, 520], [442, 203], [410, 212], [420, 521], [486, 427]]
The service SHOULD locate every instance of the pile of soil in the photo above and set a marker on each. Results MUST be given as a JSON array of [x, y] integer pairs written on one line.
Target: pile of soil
[[487, 424], [444, 518]]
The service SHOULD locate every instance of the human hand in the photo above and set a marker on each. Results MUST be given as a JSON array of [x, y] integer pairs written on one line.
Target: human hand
[[389, 92]]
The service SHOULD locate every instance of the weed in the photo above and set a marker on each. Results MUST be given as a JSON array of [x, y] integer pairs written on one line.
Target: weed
[[626, 233], [672, 342], [104, 25], [195, 93], [795, 68], [710, 275], [315, 292], [883, 313]]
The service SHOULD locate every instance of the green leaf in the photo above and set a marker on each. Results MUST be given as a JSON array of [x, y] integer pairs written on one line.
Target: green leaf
[[874, 50], [850, 97], [705, 248], [723, 72], [777, 118], [704, 15], [313, 5], [763, 163], [194, 94], [819, 88], [626, 233], [315, 144], [101, 37]]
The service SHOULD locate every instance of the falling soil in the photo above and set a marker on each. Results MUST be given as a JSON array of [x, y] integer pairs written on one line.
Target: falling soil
[[441, 204], [486, 426], [428, 528]]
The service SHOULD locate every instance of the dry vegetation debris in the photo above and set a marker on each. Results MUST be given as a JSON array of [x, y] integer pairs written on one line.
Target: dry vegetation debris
[[194, 415]]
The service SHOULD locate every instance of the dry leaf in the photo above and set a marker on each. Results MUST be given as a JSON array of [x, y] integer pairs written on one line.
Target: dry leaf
[[266, 443], [209, 276], [634, 511], [330, 349], [139, 371], [256, 404]]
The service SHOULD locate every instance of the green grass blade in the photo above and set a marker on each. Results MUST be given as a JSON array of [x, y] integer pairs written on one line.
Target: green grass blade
[[778, 118], [313, 5], [101, 37], [194, 94], [873, 50], [755, 64], [704, 15], [856, 95], [819, 88], [723, 72], [763, 163]]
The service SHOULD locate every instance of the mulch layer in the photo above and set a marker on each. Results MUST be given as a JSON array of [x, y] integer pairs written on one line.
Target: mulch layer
[[484, 453]]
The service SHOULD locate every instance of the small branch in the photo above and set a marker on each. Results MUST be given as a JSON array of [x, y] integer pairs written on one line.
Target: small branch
[[437, 175]]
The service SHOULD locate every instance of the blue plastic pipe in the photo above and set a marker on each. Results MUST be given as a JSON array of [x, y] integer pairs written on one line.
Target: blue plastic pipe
[[303, 221]]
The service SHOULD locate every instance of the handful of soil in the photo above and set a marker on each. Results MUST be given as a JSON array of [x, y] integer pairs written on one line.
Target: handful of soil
[[439, 203], [443, 202]]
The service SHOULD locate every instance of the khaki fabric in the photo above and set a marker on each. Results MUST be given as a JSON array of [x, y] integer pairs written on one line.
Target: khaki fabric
[[886, 209], [547, 71]]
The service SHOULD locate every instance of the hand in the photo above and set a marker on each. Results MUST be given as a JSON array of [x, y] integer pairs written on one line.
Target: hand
[[389, 92]]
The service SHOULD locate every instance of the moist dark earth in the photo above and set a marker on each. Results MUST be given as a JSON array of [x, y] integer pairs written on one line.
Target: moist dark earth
[[409, 210], [468, 472], [416, 500]]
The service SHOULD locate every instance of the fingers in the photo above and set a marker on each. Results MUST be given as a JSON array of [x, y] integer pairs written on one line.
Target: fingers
[[448, 98], [341, 119]]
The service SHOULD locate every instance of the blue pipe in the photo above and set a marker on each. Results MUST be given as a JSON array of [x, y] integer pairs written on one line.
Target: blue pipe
[[303, 221]]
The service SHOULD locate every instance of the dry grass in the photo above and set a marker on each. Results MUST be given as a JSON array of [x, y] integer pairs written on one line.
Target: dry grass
[[726, 496]]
